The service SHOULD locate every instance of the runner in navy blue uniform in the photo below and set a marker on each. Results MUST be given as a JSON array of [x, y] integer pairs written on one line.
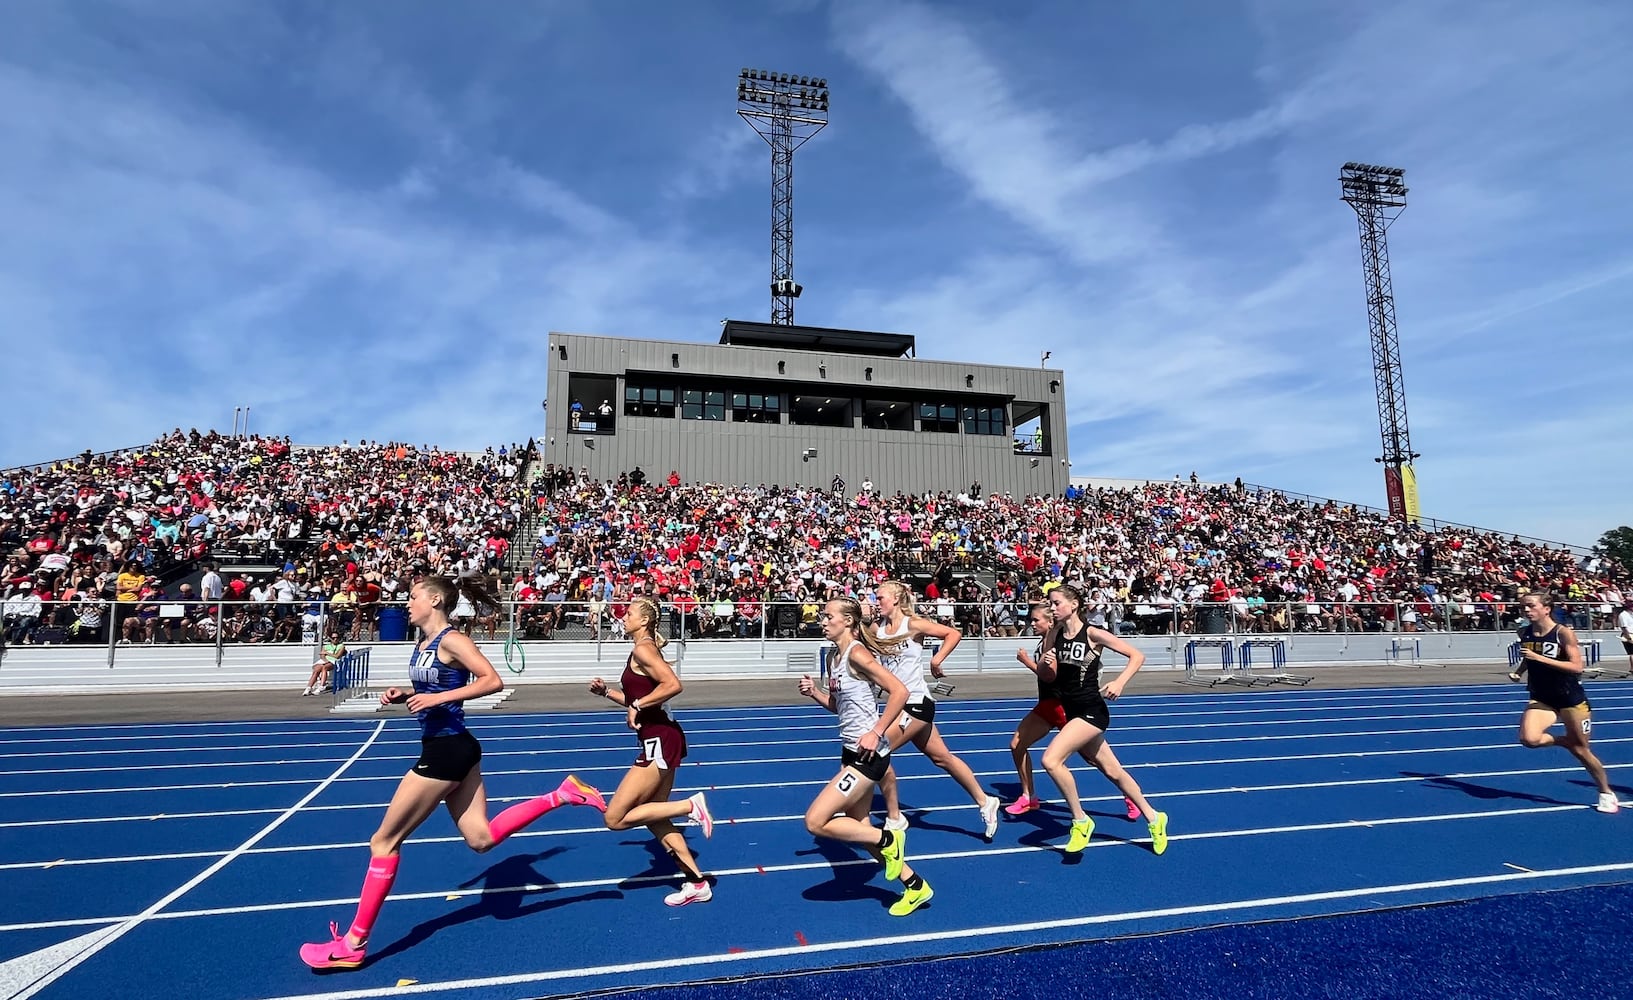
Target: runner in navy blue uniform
[[1047, 714], [446, 670], [642, 798], [1071, 657], [840, 810], [1551, 659]]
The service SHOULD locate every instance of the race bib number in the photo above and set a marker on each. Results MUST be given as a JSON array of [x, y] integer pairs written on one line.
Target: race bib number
[[653, 748], [847, 781]]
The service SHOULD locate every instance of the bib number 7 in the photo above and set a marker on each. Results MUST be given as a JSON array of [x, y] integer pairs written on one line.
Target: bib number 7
[[653, 748]]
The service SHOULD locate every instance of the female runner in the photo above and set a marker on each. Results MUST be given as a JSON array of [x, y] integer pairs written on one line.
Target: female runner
[[840, 810], [897, 624], [1046, 715], [1071, 657], [642, 798], [1551, 659], [446, 670]]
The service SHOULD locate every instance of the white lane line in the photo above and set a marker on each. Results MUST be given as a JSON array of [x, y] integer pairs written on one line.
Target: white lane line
[[684, 790], [828, 758], [95, 945], [621, 736], [804, 866], [1159, 705], [625, 747], [964, 934], [747, 820]]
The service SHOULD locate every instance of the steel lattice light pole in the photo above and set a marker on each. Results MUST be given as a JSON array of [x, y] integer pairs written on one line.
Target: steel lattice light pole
[[786, 111], [1378, 195]]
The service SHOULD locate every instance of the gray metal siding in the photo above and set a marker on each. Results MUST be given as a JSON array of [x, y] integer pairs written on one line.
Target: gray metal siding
[[713, 451]]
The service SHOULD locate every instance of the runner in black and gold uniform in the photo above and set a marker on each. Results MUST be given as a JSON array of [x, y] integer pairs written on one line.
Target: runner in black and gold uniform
[[1071, 652], [1551, 659]]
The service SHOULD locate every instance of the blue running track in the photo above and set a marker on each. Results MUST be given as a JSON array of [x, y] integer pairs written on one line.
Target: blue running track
[[190, 861]]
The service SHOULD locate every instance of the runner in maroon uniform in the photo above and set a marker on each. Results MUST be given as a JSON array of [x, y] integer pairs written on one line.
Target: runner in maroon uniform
[[642, 798]]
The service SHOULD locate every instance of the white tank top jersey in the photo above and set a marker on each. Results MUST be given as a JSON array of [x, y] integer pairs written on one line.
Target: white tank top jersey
[[907, 665], [858, 712]]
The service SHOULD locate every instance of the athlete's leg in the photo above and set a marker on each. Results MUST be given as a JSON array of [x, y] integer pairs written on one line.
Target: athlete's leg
[[1578, 730], [1030, 730]]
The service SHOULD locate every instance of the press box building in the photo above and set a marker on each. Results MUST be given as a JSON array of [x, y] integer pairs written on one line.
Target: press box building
[[797, 405]]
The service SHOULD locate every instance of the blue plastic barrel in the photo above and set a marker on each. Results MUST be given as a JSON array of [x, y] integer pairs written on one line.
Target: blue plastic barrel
[[393, 624]]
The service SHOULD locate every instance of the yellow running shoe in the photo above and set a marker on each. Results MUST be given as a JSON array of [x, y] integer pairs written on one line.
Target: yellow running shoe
[[911, 900], [1082, 830], [1159, 833], [894, 854]]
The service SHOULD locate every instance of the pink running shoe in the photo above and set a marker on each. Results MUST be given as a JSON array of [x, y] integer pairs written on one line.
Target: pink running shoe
[[1133, 810], [579, 794], [336, 954], [1024, 804], [699, 814]]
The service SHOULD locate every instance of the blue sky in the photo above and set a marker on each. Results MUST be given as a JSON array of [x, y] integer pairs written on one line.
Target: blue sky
[[363, 219]]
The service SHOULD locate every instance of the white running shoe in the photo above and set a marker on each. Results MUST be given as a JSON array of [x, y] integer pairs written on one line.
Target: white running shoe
[[699, 814], [898, 823], [1608, 803], [989, 815], [690, 892]]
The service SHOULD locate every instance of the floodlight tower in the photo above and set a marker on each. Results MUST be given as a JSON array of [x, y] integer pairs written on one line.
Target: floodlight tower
[[1378, 195], [787, 111]]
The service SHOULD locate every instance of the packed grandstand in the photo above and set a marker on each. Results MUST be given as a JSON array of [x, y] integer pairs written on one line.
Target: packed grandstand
[[275, 532]]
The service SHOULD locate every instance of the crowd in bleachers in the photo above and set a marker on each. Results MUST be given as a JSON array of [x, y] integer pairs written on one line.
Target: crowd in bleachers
[[101, 537], [104, 539], [1154, 558]]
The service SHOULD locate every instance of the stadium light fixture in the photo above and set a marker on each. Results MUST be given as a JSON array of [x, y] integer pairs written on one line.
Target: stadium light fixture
[[786, 110]]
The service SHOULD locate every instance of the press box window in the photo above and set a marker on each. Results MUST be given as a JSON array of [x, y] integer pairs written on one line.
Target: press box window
[[938, 419], [755, 408], [589, 401], [697, 404], [649, 401], [984, 420]]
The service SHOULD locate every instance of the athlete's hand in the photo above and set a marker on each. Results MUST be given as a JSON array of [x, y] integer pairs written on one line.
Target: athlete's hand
[[598, 687], [1112, 690], [630, 720], [868, 744], [936, 671], [807, 686], [421, 702], [393, 696], [1531, 654]]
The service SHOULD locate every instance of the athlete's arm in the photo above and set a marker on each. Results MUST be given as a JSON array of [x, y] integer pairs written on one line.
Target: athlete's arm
[[459, 649], [1572, 663], [817, 693], [1105, 640], [599, 687], [948, 635], [1026, 660], [867, 668]]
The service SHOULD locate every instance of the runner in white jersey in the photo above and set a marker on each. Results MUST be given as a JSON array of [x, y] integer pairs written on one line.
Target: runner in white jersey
[[840, 810], [917, 723]]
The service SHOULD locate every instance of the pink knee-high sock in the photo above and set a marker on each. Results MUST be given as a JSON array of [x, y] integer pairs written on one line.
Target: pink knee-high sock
[[376, 887], [521, 814]]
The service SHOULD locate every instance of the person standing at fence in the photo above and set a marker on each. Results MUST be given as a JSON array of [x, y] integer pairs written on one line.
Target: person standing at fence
[[917, 723], [840, 810], [1046, 715], [1071, 657], [446, 670], [642, 799], [1551, 660], [1624, 628]]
